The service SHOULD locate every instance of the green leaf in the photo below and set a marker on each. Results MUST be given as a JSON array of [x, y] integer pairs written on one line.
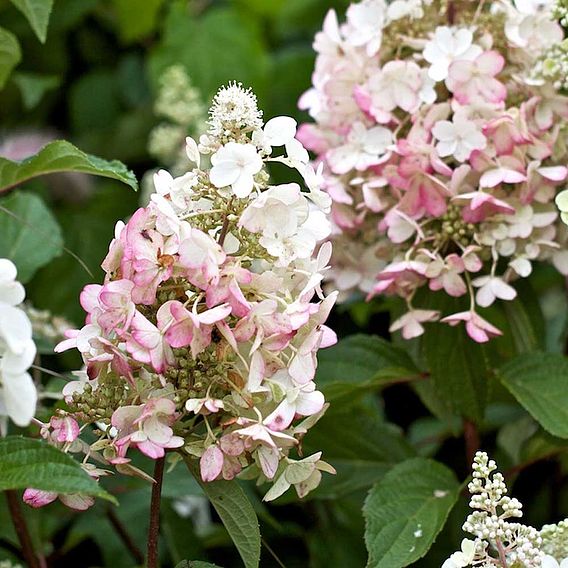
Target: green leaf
[[335, 539], [61, 156], [361, 363], [179, 533], [457, 364], [31, 237], [10, 54], [34, 86], [220, 46], [360, 446], [526, 319], [88, 227], [37, 12], [236, 513], [136, 19], [405, 511], [538, 382], [33, 463]]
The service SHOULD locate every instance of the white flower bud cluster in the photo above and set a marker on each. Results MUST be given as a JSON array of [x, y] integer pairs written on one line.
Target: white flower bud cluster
[[18, 394], [178, 100], [179, 104], [555, 539], [552, 67], [498, 542]]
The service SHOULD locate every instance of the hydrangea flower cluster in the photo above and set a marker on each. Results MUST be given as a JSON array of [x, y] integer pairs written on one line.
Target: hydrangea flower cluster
[[443, 147], [498, 541], [203, 337], [18, 394]]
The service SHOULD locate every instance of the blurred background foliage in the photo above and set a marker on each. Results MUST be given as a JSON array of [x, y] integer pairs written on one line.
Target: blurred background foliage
[[96, 82]]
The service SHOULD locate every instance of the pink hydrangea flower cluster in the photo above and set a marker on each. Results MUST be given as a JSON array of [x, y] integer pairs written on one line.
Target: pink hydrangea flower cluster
[[441, 150], [203, 337]]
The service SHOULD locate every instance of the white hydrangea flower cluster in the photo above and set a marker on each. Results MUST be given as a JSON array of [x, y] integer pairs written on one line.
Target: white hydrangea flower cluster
[[498, 541], [18, 394]]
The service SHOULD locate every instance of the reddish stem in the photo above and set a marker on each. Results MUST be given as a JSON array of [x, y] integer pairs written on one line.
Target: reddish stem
[[471, 437], [451, 13], [154, 528], [21, 528], [502, 556]]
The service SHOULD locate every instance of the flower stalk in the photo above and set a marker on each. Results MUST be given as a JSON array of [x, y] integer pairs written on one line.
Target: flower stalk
[[152, 560], [21, 528]]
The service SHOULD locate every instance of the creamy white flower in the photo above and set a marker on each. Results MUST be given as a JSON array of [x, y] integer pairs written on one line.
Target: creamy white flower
[[277, 212], [178, 191], [192, 151], [397, 84], [490, 288], [530, 24], [461, 558], [11, 291], [427, 93], [449, 45], [411, 322], [550, 562], [365, 22], [235, 165], [405, 8], [289, 228], [458, 138], [363, 148], [279, 131], [562, 204], [18, 395]]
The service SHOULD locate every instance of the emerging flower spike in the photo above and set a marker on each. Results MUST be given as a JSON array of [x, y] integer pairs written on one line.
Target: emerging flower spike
[[203, 337], [441, 150], [497, 540]]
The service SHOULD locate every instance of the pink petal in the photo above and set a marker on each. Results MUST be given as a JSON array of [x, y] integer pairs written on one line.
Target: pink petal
[[490, 63], [36, 498], [211, 463]]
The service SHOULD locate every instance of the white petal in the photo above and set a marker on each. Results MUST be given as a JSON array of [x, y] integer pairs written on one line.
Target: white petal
[[280, 130], [15, 328], [8, 270], [485, 296], [12, 293], [224, 174], [444, 130], [20, 397], [192, 151], [502, 290], [243, 185]]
